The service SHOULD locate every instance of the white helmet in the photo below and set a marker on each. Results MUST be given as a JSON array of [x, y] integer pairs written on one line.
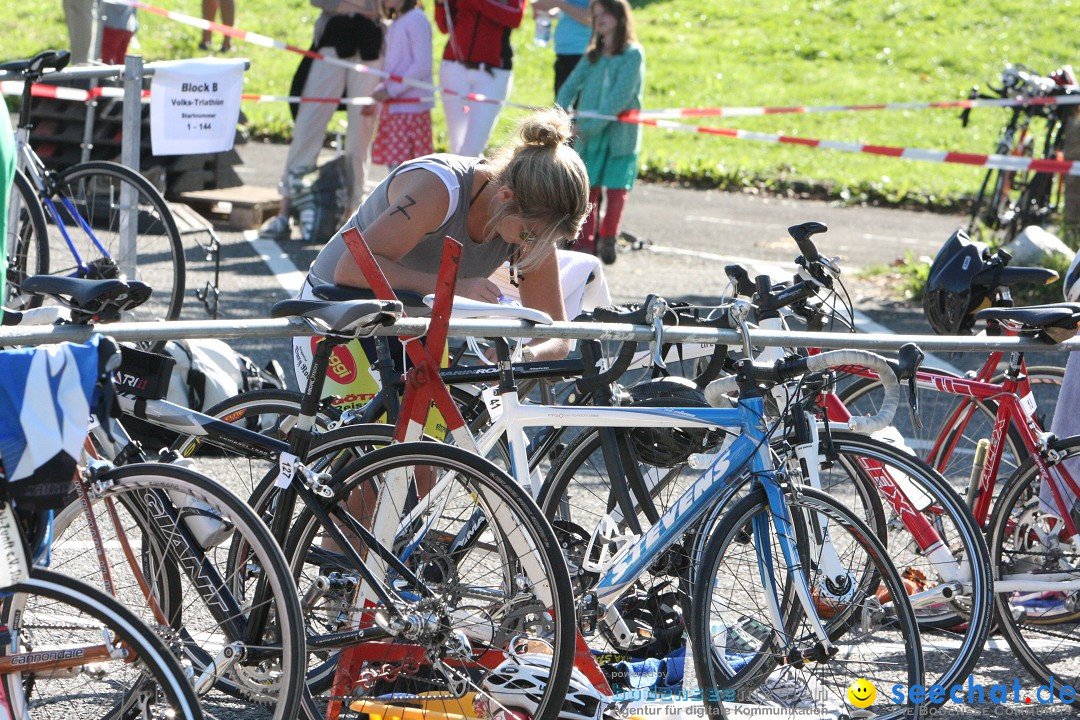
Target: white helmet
[[1071, 285], [519, 682]]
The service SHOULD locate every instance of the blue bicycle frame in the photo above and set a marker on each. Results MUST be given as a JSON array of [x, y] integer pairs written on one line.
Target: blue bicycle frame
[[749, 451]]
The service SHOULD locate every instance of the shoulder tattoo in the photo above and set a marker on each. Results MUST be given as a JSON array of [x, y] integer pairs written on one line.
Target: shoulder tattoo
[[403, 207]]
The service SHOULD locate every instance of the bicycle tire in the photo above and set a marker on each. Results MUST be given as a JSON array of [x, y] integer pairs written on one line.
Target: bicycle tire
[[978, 206], [1040, 626], [73, 608], [94, 190], [717, 588], [966, 619], [516, 536], [274, 674], [27, 243]]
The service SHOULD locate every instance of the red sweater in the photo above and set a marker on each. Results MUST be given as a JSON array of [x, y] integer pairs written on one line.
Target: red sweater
[[481, 30]]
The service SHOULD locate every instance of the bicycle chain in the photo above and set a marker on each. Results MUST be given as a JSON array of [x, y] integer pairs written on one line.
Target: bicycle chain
[[1048, 633]]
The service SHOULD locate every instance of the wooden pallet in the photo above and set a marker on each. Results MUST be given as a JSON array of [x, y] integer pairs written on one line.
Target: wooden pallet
[[240, 208]]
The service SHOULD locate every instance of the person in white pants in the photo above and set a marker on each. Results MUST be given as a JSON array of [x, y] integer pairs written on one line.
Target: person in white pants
[[80, 18], [328, 80], [469, 124], [325, 79], [478, 60]]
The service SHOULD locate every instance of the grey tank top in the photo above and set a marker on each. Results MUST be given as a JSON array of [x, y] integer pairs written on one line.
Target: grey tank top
[[477, 259]]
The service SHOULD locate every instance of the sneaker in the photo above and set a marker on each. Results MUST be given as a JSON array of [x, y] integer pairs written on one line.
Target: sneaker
[[276, 228], [605, 248]]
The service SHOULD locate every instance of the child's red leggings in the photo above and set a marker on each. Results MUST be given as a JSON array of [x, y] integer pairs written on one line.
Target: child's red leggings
[[609, 226]]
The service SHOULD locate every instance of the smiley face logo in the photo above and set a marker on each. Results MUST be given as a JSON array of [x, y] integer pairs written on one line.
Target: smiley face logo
[[861, 693]]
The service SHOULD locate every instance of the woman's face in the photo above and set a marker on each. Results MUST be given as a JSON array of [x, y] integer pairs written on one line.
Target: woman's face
[[603, 21], [516, 231]]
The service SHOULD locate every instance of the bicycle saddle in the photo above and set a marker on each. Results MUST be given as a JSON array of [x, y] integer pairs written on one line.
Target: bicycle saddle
[[1055, 322], [354, 317], [37, 65], [413, 302], [465, 308], [104, 298], [1010, 276]]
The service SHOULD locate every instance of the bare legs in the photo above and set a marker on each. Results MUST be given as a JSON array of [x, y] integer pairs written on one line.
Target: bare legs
[[228, 17]]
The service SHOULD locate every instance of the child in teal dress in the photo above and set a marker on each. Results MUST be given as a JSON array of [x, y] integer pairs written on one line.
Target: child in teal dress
[[607, 80]]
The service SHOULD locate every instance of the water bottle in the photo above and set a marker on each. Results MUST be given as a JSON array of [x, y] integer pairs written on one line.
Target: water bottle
[[543, 26]]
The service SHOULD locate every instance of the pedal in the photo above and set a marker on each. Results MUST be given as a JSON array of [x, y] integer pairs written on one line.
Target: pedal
[[589, 614]]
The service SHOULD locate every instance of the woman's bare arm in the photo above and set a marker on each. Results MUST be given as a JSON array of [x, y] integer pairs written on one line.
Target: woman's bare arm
[[418, 203], [542, 290]]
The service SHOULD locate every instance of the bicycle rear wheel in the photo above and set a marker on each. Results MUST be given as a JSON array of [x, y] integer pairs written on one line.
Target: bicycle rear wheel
[[49, 613], [94, 210], [27, 243], [1032, 558], [488, 572], [180, 529], [738, 654]]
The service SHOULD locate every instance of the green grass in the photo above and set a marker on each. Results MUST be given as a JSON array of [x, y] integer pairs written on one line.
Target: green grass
[[710, 53]]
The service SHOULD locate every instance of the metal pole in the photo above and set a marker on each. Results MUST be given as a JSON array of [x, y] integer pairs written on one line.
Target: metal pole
[[102, 71], [501, 328], [88, 126], [131, 147]]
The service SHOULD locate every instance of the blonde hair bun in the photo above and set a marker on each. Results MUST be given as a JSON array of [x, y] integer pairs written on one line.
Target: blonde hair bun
[[549, 127]]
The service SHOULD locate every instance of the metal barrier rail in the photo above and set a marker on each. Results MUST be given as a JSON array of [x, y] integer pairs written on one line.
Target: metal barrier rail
[[224, 329]]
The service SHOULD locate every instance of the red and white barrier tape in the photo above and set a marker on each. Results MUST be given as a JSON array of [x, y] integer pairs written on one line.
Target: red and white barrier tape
[[341, 100], [15, 87], [669, 113], [999, 162], [264, 41]]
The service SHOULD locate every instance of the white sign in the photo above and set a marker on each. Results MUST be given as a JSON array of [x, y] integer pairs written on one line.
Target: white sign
[[194, 105]]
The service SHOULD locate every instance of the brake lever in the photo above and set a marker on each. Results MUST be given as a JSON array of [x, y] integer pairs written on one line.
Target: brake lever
[[908, 362], [658, 307]]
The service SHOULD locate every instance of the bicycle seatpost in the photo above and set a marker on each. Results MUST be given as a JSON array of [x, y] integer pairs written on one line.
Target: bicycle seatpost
[[309, 405]]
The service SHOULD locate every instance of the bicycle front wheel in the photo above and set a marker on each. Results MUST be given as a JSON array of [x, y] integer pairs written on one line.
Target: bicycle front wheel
[[480, 563], [104, 660], [108, 221], [168, 535], [739, 654], [931, 537]]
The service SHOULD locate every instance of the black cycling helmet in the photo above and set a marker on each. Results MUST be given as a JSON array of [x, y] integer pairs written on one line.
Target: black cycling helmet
[[951, 299], [669, 447]]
